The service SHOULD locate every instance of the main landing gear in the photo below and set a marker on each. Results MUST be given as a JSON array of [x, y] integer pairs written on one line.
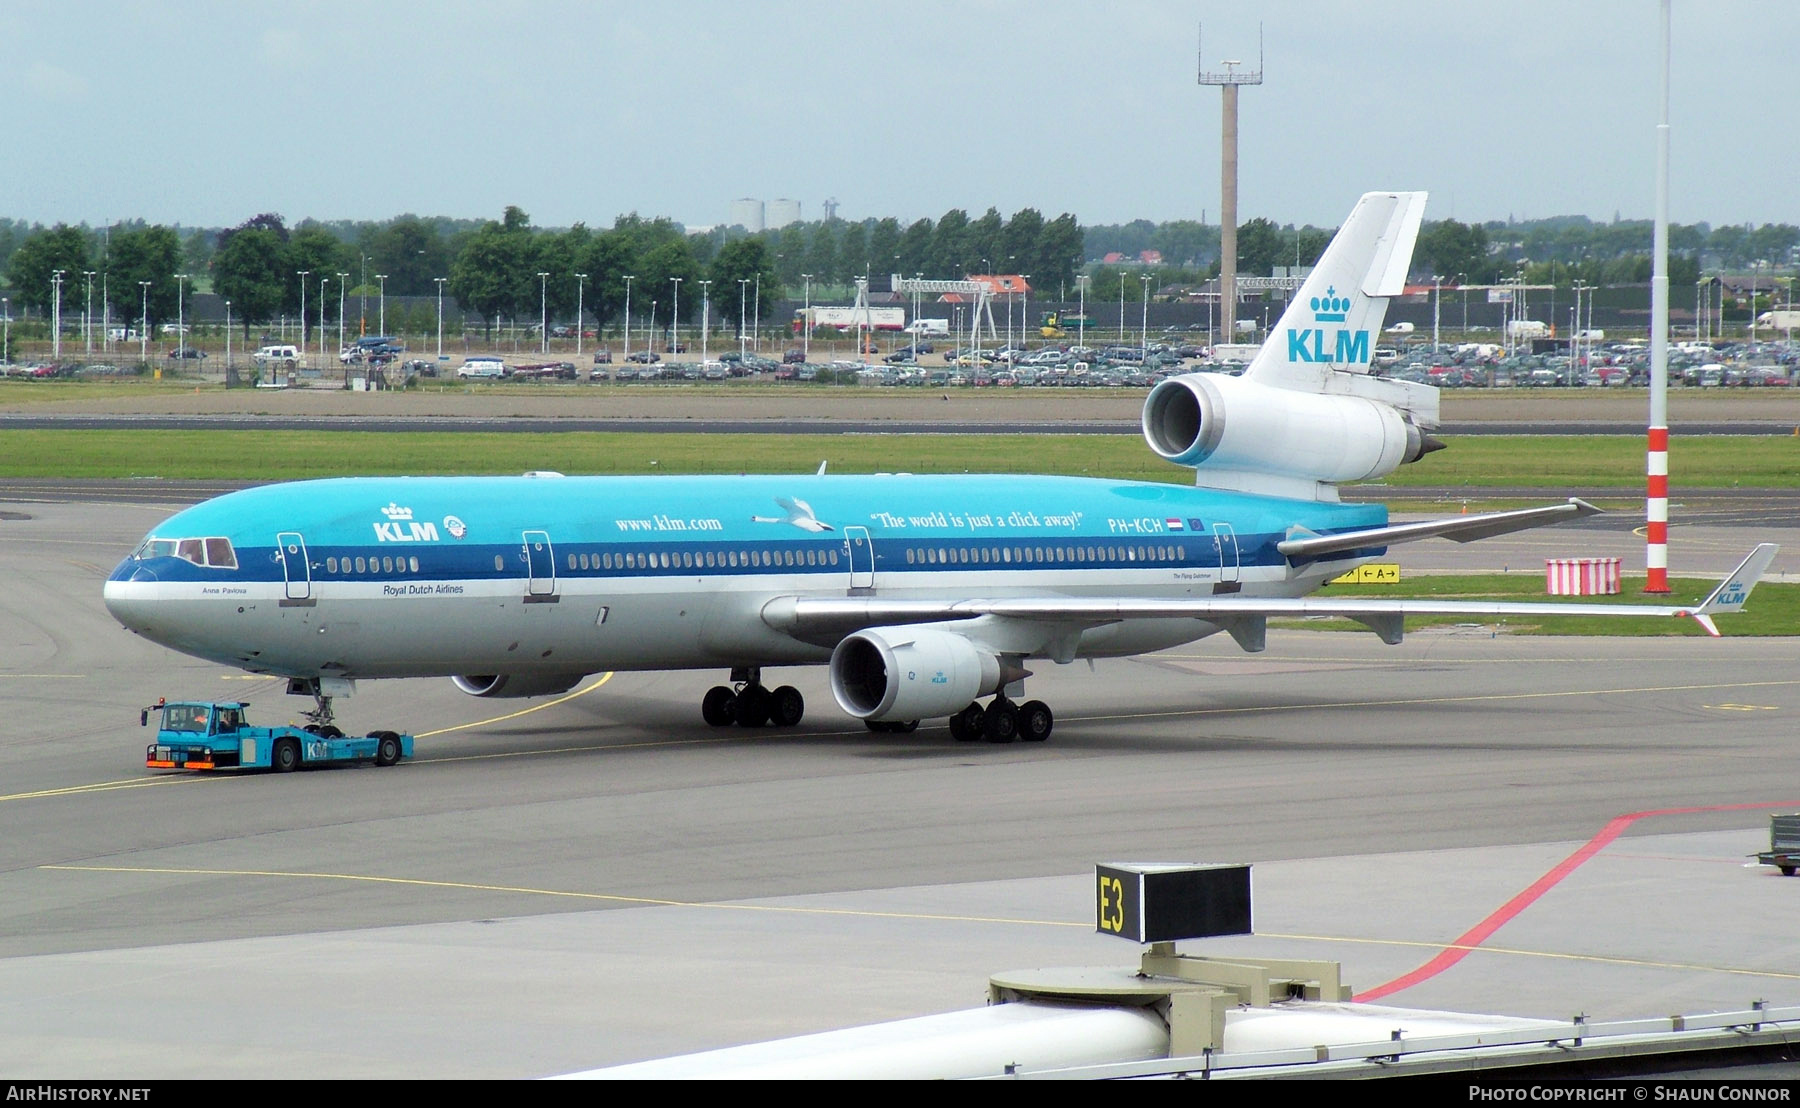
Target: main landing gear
[[748, 704], [1003, 721]]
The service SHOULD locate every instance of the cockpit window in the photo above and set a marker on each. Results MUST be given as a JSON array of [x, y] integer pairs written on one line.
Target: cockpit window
[[216, 553]]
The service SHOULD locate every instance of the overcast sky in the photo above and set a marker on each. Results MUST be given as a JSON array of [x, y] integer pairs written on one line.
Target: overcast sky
[[201, 113]]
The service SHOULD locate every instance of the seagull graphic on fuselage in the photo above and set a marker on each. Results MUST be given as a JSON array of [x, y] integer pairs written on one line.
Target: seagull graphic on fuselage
[[799, 513]]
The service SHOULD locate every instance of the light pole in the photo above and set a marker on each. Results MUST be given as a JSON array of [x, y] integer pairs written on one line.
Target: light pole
[[543, 312], [440, 284], [228, 336], [650, 329], [181, 312], [580, 288], [304, 273], [381, 306], [144, 325], [705, 318], [56, 326], [6, 321], [1024, 305], [105, 316], [322, 328], [1121, 305], [743, 300], [87, 313], [757, 307], [343, 278], [1081, 284], [806, 321], [1144, 335], [628, 279], [675, 317]]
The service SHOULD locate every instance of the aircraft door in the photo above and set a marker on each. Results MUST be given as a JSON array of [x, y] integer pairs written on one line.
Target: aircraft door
[[540, 564], [290, 547], [1226, 545], [862, 557]]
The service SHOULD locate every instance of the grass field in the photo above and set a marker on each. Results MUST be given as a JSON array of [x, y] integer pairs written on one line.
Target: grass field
[[1472, 461]]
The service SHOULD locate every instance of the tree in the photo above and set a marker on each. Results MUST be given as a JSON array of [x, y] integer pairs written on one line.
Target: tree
[[606, 258], [949, 247], [915, 247], [656, 270], [485, 274], [38, 258], [1258, 247], [249, 271], [983, 248], [745, 259], [884, 246], [410, 252], [1059, 252], [1447, 248], [321, 255], [150, 254], [822, 252]]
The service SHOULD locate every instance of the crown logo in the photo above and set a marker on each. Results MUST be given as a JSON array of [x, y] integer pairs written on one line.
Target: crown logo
[[395, 511], [1331, 307]]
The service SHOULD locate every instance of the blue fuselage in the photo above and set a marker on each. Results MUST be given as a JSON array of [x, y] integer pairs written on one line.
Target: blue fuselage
[[391, 577]]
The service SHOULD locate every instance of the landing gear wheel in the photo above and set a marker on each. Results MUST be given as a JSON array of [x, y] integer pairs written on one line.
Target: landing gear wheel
[[752, 707], [905, 726], [1787, 871], [786, 706], [965, 726], [892, 726], [1035, 721], [387, 748], [716, 706], [1000, 723], [286, 756]]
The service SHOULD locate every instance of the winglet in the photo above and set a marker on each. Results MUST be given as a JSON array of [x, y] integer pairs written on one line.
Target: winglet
[[1731, 593]]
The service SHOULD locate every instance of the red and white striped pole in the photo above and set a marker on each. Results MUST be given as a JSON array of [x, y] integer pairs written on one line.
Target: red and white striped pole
[[1656, 555], [1656, 531]]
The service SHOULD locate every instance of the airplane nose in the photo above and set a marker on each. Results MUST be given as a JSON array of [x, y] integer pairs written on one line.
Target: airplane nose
[[126, 594]]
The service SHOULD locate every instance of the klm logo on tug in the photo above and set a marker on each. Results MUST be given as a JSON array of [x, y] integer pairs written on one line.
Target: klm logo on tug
[[401, 527], [1307, 344]]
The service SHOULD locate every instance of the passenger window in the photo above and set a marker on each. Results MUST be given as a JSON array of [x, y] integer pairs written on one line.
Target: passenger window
[[331, 564], [413, 564], [499, 563], [359, 565]]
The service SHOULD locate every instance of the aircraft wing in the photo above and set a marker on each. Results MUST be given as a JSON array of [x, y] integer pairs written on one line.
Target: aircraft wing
[[826, 617], [1302, 545]]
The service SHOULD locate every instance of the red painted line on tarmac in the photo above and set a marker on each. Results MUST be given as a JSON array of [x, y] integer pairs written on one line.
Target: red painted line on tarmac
[[1469, 940]]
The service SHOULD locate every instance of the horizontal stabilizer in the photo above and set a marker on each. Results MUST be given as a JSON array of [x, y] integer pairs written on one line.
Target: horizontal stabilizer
[[1456, 528]]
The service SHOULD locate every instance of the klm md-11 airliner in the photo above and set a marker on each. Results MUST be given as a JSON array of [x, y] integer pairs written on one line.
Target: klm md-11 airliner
[[924, 595]]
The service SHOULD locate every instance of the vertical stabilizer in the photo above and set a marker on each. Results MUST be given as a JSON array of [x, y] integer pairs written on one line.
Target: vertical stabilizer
[[1334, 318]]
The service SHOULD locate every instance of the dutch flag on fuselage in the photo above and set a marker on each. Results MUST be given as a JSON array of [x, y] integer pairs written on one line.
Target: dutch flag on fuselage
[[1173, 523]]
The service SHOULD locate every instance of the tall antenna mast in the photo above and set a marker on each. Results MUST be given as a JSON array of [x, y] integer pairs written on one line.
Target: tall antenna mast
[[1228, 82]]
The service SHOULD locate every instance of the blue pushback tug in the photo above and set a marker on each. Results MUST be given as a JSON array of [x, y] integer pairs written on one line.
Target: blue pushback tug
[[216, 735]]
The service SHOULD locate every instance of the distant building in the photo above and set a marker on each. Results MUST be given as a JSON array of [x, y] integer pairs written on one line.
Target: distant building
[[782, 212], [1150, 257], [748, 214]]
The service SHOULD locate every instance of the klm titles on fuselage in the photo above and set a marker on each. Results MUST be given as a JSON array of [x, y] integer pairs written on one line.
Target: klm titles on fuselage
[[401, 527], [1308, 344]]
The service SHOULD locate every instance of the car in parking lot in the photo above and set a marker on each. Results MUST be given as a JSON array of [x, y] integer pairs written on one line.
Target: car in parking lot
[[794, 356], [187, 352], [644, 357]]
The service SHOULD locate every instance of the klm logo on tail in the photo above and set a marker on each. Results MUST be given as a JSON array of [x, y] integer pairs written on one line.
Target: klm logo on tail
[[1308, 344]]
